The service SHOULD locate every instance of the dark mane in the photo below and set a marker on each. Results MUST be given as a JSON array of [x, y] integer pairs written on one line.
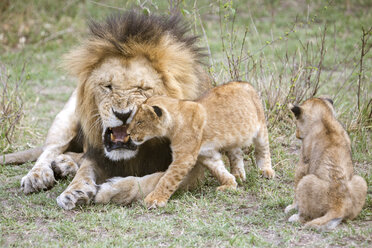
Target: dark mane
[[122, 28]]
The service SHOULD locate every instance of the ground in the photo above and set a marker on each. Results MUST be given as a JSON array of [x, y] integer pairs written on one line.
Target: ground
[[284, 56]]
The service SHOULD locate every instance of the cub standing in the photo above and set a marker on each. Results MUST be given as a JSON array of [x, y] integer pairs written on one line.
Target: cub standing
[[326, 189], [227, 117]]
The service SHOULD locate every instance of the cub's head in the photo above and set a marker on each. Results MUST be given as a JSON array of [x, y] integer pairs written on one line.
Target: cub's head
[[148, 122], [310, 113], [126, 60]]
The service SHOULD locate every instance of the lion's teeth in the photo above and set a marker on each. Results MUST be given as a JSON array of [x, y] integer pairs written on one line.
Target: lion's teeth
[[112, 137], [126, 139]]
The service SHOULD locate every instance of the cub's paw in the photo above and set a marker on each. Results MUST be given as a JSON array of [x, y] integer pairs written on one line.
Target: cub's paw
[[294, 218], [239, 175], [64, 166], [153, 200], [227, 187], [290, 207], [268, 173], [37, 179], [73, 196]]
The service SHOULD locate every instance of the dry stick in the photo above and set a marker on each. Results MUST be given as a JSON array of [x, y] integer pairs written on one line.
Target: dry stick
[[196, 11], [55, 35], [365, 37], [106, 5]]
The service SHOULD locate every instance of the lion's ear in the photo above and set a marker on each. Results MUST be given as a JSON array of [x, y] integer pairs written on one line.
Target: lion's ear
[[296, 111], [157, 111]]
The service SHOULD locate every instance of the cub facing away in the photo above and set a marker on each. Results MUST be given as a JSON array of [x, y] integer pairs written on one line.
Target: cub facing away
[[227, 118], [326, 189]]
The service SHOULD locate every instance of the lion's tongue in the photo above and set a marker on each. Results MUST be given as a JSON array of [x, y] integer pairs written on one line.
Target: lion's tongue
[[119, 134]]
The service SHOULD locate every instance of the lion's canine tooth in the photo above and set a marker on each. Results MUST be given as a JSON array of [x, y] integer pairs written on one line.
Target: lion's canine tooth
[[112, 136], [126, 139]]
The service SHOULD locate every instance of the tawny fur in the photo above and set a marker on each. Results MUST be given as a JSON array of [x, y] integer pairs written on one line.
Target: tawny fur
[[125, 60], [228, 117], [326, 189]]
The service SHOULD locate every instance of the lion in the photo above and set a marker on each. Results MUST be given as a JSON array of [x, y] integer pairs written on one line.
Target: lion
[[228, 117], [326, 189], [125, 60]]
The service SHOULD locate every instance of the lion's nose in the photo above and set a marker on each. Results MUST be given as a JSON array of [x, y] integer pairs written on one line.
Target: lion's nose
[[122, 116]]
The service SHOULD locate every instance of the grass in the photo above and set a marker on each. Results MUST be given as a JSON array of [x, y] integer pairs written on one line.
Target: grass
[[251, 216]]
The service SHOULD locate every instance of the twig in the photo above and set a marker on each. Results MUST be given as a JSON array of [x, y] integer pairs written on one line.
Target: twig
[[364, 50]]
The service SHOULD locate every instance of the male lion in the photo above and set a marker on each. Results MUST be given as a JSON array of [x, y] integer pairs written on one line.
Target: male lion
[[326, 189], [124, 61], [228, 117]]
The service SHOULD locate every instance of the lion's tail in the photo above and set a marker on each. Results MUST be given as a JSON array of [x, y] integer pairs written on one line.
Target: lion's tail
[[21, 157]]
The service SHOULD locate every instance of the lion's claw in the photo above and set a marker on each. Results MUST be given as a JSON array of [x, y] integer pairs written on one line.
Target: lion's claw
[[64, 166]]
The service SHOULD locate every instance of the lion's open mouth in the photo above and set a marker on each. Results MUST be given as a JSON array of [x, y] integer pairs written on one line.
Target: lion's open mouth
[[117, 138]]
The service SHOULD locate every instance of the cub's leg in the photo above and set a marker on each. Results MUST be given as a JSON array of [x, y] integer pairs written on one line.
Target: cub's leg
[[82, 188], [169, 183], [316, 202], [236, 163], [301, 171], [60, 134], [124, 190], [358, 191], [66, 164], [213, 161], [262, 153]]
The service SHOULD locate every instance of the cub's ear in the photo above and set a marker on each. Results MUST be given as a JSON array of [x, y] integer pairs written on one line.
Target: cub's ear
[[157, 111], [329, 100], [296, 111]]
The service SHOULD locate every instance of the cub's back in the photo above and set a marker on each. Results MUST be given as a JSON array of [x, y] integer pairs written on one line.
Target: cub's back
[[233, 109]]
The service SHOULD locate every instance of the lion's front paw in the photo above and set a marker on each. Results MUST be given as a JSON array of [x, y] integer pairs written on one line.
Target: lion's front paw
[[73, 196], [105, 193], [37, 179], [268, 173], [153, 200], [118, 190], [64, 166]]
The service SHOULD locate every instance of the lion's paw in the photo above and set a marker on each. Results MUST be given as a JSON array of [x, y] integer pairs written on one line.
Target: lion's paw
[[268, 173], [118, 190], [153, 200], [74, 196], [105, 193], [37, 179], [64, 166]]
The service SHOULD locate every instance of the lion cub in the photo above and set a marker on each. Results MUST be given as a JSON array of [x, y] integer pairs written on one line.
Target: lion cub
[[326, 189], [227, 117]]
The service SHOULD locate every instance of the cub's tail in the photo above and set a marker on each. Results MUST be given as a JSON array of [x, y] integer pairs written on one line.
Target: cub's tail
[[21, 157]]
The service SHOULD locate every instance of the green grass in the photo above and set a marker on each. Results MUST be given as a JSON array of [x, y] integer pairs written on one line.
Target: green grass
[[251, 216]]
